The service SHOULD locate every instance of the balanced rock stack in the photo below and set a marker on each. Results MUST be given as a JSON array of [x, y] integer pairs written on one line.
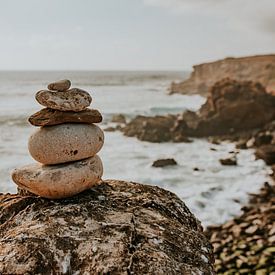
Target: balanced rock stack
[[65, 145]]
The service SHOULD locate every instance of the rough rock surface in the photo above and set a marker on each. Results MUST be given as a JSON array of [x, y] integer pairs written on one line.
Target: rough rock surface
[[231, 107], [267, 153], [71, 100], [119, 118], [255, 68], [164, 162], [49, 117], [115, 228], [65, 142], [59, 181], [246, 244], [61, 85]]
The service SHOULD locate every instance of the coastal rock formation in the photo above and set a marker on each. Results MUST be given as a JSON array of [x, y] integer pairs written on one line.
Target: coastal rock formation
[[246, 244], [115, 228], [66, 150], [164, 162], [254, 68], [49, 117], [231, 107], [267, 153]]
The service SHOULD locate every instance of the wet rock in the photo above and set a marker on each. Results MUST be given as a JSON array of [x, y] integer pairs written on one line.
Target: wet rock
[[243, 244], [267, 153], [75, 100], [61, 85], [65, 142], [59, 181], [115, 228], [231, 107], [164, 162], [263, 138], [119, 118], [232, 160], [153, 129], [49, 117], [110, 129]]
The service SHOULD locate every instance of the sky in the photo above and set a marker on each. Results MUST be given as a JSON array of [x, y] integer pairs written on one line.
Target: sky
[[131, 34]]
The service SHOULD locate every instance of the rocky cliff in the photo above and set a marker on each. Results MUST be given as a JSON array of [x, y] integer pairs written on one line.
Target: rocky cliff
[[231, 107], [115, 228], [254, 68]]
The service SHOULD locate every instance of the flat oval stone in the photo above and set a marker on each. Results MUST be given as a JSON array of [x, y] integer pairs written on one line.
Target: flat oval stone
[[61, 85], [65, 142], [59, 181], [47, 117], [72, 100]]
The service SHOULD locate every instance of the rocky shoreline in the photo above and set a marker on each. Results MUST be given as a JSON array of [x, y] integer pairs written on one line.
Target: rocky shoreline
[[243, 113]]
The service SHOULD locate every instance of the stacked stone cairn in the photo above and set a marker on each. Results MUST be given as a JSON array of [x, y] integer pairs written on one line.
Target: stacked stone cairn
[[65, 145]]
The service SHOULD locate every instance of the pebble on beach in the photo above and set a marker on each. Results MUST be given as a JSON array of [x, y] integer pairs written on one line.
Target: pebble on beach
[[65, 142], [61, 85], [71, 100], [49, 117], [59, 181]]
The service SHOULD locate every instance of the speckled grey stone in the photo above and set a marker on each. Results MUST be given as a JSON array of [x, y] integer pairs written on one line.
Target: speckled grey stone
[[72, 100]]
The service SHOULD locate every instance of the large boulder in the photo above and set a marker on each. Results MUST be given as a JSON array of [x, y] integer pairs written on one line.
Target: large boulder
[[116, 228], [233, 106], [254, 68]]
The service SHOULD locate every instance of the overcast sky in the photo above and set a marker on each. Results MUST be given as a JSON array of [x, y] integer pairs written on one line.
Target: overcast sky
[[131, 34]]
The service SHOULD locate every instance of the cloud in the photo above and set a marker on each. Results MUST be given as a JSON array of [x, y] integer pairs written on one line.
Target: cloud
[[253, 15]]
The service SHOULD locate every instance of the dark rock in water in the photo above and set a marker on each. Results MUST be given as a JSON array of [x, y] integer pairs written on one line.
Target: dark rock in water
[[229, 161], [164, 162], [245, 245], [47, 117], [267, 153], [262, 139], [110, 129], [153, 129], [61, 85], [116, 228], [119, 118], [231, 107]]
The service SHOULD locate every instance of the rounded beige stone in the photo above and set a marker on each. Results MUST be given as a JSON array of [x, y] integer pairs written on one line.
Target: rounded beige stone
[[59, 181], [65, 142], [71, 100]]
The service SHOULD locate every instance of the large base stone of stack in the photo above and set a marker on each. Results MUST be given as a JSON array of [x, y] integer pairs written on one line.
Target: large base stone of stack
[[65, 143], [49, 117], [115, 228], [71, 100], [59, 181]]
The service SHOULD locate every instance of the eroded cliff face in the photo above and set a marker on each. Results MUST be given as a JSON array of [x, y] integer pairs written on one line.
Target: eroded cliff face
[[115, 228], [254, 68]]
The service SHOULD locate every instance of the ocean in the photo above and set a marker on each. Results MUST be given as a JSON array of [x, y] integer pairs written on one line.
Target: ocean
[[214, 193]]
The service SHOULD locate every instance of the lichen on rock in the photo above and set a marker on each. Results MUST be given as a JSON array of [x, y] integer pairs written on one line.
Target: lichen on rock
[[115, 228]]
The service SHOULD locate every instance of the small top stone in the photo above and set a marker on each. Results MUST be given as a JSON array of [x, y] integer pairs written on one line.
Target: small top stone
[[61, 85]]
